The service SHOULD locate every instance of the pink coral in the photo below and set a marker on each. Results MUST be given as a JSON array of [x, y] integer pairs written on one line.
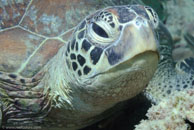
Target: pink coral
[[170, 113]]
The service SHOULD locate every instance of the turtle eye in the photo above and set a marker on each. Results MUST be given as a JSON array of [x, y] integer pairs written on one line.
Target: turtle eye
[[100, 31]]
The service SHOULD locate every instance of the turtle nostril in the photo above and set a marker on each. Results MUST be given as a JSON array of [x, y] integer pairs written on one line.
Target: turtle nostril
[[140, 21]]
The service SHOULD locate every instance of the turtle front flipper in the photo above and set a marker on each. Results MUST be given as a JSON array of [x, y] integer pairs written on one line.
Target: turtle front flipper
[[15, 80], [190, 40], [186, 65], [22, 100]]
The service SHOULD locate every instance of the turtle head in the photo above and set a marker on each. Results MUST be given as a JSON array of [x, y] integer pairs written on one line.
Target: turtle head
[[115, 48]]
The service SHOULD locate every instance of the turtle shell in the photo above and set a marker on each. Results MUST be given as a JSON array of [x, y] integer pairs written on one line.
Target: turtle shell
[[32, 31]]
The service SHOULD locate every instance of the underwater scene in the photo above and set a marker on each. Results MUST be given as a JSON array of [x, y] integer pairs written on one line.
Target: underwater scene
[[97, 64]]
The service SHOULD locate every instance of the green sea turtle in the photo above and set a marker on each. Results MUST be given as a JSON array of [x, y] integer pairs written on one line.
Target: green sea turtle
[[57, 72]]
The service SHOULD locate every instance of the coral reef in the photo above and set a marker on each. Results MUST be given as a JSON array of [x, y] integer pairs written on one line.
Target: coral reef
[[171, 113], [179, 21]]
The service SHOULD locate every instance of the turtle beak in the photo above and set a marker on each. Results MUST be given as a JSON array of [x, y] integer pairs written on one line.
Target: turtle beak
[[135, 39]]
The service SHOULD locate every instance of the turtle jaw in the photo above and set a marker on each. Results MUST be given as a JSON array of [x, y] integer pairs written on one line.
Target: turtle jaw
[[125, 80], [139, 61]]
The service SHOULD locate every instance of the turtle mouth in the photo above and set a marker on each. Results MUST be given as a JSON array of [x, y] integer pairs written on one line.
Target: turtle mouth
[[136, 62]]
